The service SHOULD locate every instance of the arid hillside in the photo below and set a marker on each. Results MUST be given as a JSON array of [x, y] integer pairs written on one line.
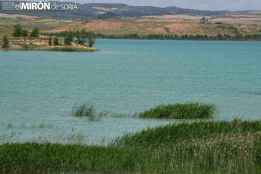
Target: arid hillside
[[249, 23]]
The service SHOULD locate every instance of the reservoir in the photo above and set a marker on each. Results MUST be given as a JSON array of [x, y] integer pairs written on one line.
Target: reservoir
[[39, 89]]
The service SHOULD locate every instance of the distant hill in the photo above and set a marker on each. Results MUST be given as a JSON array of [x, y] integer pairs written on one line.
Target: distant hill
[[109, 10]]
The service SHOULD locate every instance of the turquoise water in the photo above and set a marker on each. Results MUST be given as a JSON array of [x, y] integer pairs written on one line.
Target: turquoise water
[[39, 89]]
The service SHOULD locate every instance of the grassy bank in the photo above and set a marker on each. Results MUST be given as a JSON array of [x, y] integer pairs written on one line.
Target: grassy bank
[[197, 148], [180, 111], [172, 134]]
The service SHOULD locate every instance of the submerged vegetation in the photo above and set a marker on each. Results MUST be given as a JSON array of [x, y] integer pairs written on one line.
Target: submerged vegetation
[[196, 148], [181, 111], [175, 111], [87, 111], [84, 110]]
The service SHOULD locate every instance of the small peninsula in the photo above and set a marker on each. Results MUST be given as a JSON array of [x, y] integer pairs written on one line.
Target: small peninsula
[[71, 41]]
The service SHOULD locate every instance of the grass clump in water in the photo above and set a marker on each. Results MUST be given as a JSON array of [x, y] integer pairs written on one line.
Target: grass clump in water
[[84, 110], [88, 111], [181, 111]]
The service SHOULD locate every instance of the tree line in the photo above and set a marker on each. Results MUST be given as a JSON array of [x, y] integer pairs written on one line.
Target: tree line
[[18, 32], [55, 39], [79, 37], [84, 37], [183, 37]]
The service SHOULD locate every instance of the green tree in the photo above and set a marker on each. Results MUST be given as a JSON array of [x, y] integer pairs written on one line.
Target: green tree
[[24, 33], [55, 41], [35, 32], [81, 41], [91, 39], [5, 42], [77, 35], [50, 41], [68, 39], [81, 36], [18, 30]]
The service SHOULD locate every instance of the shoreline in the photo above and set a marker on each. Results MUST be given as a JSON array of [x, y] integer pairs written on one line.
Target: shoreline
[[58, 49], [177, 38], [155, 39], [221, 144], [135, 36]]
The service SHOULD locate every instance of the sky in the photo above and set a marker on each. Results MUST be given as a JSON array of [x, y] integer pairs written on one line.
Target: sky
[[194, 4]]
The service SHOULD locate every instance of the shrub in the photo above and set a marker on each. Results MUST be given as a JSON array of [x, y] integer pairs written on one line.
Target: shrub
[[91, 39], [5, 44], [24, 33], [18, 30], [68, 40], [181, 111], [55, 41], [29, 46], [35, 32], [50, 41]]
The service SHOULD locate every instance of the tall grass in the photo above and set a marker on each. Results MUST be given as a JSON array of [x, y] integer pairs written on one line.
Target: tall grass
[[220, 155], [175, 133], [181, 111], [227, 148]]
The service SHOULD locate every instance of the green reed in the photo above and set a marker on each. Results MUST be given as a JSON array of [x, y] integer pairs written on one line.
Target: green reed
[[175, 133], [181, 111], [196, 148]]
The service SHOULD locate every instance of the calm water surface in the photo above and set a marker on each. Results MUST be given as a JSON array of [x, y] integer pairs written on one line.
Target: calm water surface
[[39, 89]]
